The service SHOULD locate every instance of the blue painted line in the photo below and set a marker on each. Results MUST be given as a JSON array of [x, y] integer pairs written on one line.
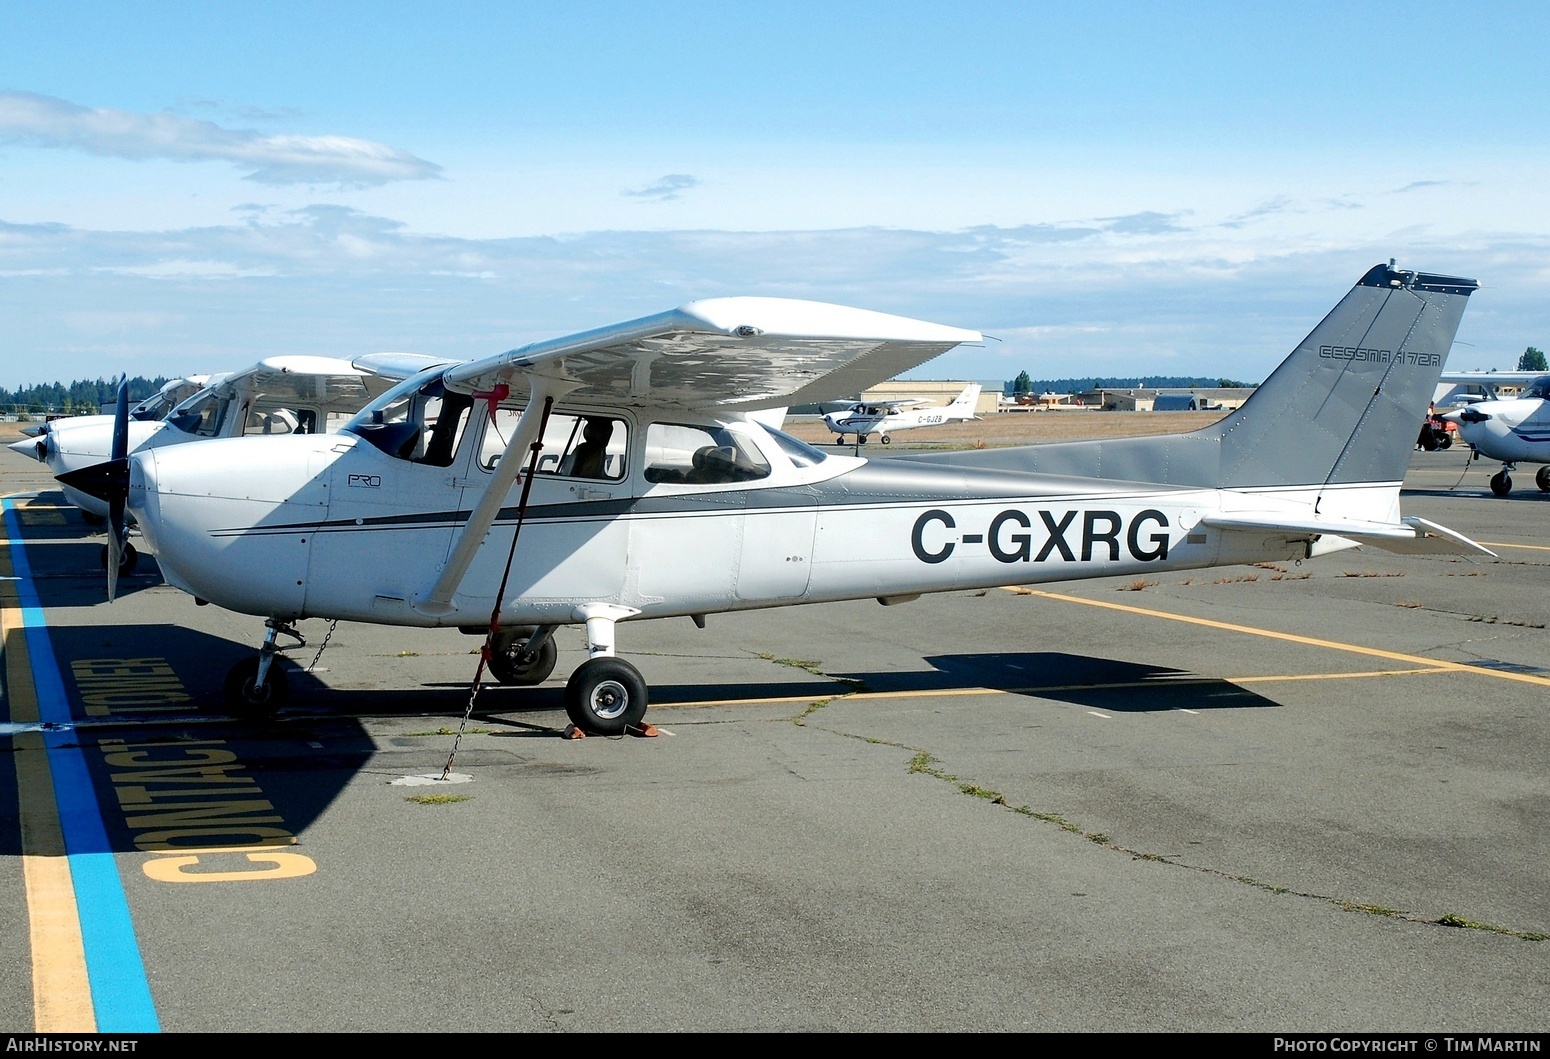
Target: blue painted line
[[121, 995]]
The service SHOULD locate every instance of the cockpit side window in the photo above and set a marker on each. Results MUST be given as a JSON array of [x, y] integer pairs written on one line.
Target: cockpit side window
[[1539, 388], [574, 446], [273, 421], [678, 453]]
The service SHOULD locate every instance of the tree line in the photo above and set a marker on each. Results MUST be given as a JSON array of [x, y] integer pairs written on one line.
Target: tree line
[[82, 397], [1025, 385]]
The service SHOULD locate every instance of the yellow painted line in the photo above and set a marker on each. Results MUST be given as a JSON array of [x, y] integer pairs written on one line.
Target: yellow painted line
[[1529, 547], [1310, 641], [61, 990]]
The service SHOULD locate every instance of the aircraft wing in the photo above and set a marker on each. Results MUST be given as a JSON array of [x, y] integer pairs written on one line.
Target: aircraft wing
[[741, 354], [328, 382], [1409, 536], [1503, 378]]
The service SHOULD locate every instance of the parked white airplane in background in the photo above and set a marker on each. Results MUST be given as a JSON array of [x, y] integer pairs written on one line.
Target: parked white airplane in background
[[1513, 430], [617, 474], [279, 395], [890, 417]]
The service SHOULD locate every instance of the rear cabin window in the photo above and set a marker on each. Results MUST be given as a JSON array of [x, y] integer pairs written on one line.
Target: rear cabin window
[[694, 455]]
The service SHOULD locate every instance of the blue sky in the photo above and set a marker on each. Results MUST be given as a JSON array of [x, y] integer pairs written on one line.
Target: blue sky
[[1115, 190]]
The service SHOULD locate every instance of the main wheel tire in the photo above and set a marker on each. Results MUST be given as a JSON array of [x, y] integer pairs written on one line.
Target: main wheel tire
[[887, 440], [510, 665], [840, 440], [860, 439], [246, 699], [1501, 483], [1542, 478], [126, 559], [605, 696]]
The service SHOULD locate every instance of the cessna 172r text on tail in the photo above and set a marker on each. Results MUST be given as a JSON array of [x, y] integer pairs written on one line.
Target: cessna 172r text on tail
[[617, 474], [889, 417]]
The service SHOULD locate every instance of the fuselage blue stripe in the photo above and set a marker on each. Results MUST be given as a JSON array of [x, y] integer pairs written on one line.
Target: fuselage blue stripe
[[121, 995]]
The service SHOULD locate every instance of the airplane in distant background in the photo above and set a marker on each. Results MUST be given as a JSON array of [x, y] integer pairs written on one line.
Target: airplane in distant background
[[888, 417], [278, 395], [1513, 430]]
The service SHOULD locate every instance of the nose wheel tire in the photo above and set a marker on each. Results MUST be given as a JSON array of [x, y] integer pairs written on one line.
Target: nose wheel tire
[[246, 699], [510, 664], [605, 696], [126, 560], [1501, 483]]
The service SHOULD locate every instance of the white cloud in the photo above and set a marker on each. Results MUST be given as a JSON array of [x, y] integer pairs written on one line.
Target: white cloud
[[666, 188], [43, 121]]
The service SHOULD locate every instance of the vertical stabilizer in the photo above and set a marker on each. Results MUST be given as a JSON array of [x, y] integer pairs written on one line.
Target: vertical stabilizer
[[1343, 408]]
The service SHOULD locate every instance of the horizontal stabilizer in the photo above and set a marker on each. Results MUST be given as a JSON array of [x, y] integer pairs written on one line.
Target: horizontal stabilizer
[[1409, 536]]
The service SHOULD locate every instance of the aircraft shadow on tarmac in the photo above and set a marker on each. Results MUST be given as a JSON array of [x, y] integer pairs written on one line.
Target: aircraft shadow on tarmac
[[1100, 683], [65, 556]]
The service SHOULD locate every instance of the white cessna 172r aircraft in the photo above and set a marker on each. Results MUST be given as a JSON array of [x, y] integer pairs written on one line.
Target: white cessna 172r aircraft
[[617, 474], [278, 395], [889, 417], [1513, 430]]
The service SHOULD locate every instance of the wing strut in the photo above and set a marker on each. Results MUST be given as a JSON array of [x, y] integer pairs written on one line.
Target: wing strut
[[500, 594], [529, 432]]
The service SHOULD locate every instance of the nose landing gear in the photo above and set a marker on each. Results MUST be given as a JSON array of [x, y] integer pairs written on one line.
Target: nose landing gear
[[257, 687]]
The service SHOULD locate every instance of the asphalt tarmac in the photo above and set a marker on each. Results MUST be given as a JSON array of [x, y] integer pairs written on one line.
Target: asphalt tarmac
[[1293, 798]]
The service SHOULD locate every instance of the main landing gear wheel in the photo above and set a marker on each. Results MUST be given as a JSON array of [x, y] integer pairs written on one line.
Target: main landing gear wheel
[[605, 696], [243, 695], [511, 664], [1542, 478], [126, 559], [840, 440], [1501, 483], [860, 439], [887, 440]]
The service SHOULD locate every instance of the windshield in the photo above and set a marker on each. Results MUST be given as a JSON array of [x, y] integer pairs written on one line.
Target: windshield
[[154, 407], [1539, 388], [201, 414], [393, 405], [800, 453], [418, 420]]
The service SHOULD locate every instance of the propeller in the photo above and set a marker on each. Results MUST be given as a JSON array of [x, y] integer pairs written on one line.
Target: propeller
[[110, 482]]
